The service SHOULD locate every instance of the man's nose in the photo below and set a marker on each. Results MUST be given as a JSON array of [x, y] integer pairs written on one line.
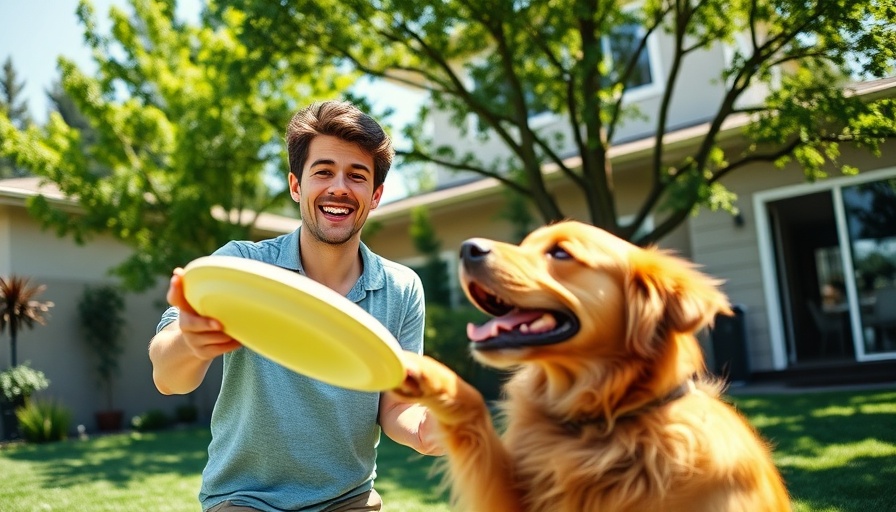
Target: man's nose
[[339, 185]]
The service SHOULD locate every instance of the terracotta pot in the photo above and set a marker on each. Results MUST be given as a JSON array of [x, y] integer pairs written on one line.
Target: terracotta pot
[[109, 421]]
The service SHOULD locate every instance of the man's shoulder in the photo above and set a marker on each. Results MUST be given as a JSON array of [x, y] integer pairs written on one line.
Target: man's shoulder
[[263, 250], [397, 274]]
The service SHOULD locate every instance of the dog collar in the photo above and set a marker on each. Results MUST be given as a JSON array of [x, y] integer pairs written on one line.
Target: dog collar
[[605, 423]]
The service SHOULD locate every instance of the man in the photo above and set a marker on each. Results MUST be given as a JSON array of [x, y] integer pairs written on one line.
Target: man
[[280, 440]]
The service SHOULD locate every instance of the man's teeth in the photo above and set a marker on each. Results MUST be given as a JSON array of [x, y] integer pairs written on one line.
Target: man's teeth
[[334, 210]]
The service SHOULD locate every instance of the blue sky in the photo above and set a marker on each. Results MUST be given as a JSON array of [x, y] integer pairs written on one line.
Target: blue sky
[[36, 32]]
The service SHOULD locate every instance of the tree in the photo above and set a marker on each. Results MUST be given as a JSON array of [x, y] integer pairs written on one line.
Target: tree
[[19, 308], [504, 61], [16, 109], [188, 124], [101, 313], [434, 272]]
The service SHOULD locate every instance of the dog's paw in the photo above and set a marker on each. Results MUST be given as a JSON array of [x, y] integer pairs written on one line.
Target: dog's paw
[[422, 376]]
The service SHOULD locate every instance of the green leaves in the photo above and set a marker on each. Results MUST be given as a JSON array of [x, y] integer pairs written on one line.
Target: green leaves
[[184, 120], [490, 66]]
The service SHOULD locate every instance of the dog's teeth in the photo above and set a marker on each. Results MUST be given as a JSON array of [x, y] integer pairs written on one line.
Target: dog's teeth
[[544, 323]]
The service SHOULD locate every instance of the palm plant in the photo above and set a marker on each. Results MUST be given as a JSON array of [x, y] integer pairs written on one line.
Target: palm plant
[[19, 308]]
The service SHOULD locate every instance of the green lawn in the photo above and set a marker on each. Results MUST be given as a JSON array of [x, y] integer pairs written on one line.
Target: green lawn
[[837, 451]]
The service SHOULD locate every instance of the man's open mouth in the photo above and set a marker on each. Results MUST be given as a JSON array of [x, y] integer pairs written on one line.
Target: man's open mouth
[[515, 327], [336, 211]]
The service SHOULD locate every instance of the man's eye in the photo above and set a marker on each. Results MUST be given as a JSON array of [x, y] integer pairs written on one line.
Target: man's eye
[[559, 253]]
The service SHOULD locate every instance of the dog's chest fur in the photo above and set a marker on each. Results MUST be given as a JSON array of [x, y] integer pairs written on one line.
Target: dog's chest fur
[[563, 468]]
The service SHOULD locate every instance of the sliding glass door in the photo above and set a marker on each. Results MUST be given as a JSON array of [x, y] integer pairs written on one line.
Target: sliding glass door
[[834, 259], [870, 212]]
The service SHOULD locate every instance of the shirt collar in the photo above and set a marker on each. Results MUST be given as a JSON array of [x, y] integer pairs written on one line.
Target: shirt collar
[[373, 276]]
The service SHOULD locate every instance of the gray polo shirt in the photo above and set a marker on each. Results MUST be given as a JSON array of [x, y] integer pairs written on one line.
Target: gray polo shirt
[[282, 441]]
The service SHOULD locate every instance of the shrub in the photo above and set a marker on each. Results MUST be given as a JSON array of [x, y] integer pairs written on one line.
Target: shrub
[[101, 311], [22, 381], [445, 339], [42, 421], [153, 419], [186, 413]]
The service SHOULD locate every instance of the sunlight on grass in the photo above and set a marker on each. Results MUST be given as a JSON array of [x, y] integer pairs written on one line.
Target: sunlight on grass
[[109, 473], [836, 456], [836, 451]]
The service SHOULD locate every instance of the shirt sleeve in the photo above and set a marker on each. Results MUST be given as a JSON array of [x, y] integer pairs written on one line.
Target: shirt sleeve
[[411, 336]]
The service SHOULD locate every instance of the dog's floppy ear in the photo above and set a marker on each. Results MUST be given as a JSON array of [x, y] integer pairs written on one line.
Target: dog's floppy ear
[[667, 294]]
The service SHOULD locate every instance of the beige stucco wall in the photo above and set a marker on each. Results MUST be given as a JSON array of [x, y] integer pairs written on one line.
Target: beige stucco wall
[[58, 349]]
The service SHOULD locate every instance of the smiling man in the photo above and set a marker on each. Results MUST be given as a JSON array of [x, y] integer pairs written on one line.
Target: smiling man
[[280, 440]]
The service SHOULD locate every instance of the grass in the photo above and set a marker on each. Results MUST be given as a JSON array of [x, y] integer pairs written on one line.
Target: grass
[[837, 451]]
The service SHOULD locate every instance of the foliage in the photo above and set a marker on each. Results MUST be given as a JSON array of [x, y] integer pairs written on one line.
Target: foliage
[[16, 109], [20, 308], [186, 413], [42, 421], [500, 63], [433, 272], [153, 419], [187, 122], [445, 337], [101, 316], [22, 381]]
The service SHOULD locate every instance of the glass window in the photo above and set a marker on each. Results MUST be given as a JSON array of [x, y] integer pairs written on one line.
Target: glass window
[[871, 221], [621, 46]]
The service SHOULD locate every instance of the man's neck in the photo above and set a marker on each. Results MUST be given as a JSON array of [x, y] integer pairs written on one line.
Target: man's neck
[[337, 267]]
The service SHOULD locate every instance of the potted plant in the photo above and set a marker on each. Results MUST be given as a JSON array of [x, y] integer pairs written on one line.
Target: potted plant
[[101, 314], [17, 384]]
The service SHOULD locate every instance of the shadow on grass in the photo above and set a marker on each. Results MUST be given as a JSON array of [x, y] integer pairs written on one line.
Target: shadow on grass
[[402, 471], [118, 458], [834, 449], [865, 484]]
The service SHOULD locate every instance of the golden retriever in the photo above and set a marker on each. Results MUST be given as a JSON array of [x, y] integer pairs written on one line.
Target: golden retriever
[[607, 408]]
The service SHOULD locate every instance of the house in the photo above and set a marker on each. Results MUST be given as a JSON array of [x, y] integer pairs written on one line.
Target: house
[[57, 348], [790, 239]]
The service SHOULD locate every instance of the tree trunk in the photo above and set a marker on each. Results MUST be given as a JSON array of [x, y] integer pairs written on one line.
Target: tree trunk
[[12, 346]]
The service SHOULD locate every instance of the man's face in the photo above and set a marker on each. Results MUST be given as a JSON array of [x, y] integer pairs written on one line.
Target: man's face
[[336, 191]]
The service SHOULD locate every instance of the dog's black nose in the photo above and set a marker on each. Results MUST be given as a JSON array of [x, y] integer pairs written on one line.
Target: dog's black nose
[[474, 249]]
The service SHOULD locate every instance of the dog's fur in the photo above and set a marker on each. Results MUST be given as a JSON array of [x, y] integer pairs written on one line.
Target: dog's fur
[[607, 409]]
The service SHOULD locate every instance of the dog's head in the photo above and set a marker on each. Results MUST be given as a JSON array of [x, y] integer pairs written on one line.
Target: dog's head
[[573, 291]]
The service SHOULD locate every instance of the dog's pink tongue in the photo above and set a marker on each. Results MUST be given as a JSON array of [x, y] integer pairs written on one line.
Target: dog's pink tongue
[[507, 322]]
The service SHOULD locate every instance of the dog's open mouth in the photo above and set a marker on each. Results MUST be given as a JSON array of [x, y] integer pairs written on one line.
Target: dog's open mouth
[[515, 327]]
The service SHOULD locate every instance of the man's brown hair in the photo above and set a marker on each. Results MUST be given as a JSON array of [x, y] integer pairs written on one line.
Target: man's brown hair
[[343, 120]]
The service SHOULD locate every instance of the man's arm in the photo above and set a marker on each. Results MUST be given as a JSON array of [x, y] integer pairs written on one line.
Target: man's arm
[[182, 351], [410, 425]]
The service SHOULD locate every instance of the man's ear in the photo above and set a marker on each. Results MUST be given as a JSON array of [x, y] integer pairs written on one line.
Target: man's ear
[[377, 195], [295, 189]]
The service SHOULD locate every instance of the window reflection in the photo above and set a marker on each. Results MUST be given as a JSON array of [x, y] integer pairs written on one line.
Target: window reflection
[[871, 219]]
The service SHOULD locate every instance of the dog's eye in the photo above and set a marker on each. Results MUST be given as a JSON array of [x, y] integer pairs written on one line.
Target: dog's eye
[[559, 253]]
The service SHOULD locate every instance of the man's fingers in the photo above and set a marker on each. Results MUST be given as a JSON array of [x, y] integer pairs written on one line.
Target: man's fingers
[[191, 322], [176, 296]]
